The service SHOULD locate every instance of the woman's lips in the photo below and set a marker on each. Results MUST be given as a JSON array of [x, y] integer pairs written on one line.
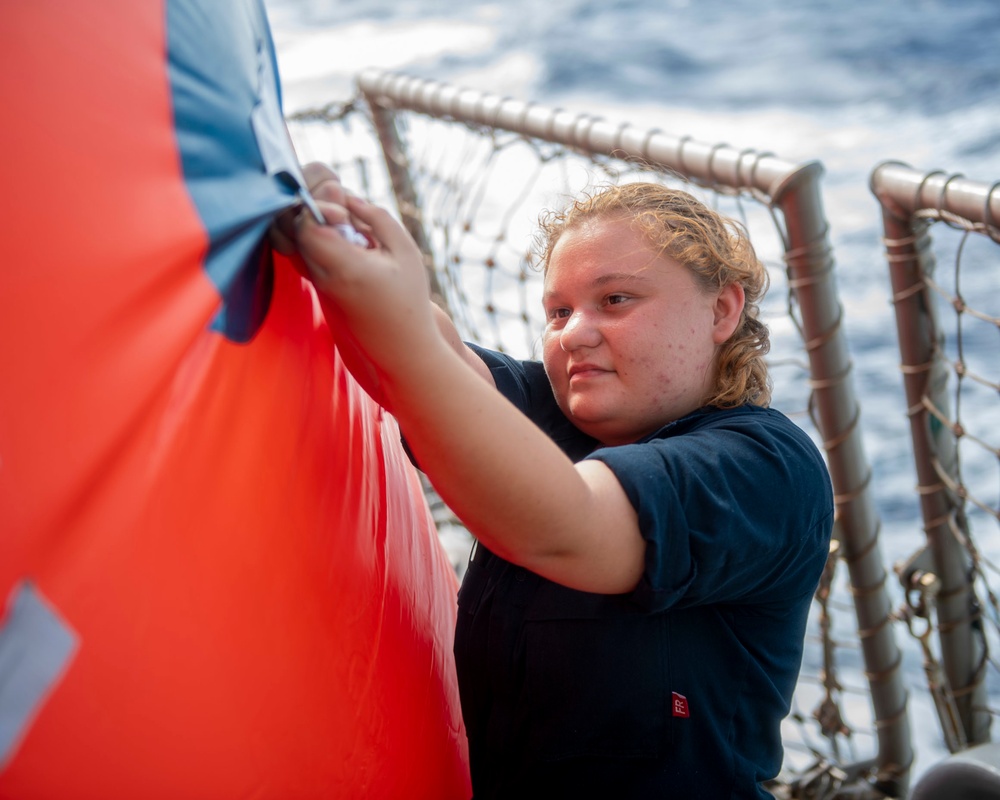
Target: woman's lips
[[583, 372]]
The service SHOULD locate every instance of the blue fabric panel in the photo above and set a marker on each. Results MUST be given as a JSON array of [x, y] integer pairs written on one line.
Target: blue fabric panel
[[35, 647], [238, 162]]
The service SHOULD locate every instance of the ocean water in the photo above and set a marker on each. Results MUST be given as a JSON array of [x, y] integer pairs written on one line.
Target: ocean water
[[845, 82]]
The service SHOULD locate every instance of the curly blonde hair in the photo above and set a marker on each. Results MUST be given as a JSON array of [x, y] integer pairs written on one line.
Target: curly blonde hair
[[717, 251]]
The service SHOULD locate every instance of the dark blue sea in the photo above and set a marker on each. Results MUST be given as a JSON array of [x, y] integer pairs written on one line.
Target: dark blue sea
[[850, 83]]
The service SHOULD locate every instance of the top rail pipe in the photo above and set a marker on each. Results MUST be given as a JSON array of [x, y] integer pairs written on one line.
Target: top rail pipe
[[903, 191], [748, 170]]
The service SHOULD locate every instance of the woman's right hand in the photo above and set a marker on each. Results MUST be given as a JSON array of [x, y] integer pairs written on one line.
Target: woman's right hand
[[375, 294]]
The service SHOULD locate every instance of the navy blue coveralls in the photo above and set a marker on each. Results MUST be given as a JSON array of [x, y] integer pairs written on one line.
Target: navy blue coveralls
[[677, 689]]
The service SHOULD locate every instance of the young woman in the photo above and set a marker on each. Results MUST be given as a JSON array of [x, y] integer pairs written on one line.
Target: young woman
[[649, 533]]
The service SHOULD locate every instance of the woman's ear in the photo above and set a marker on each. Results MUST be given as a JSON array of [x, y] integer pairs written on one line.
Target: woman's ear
[[728, 311]]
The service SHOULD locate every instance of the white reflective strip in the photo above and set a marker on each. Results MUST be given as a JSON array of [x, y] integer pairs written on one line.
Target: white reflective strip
[[36, 646]]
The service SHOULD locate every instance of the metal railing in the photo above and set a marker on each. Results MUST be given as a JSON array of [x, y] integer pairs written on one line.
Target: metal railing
[[939, 579]]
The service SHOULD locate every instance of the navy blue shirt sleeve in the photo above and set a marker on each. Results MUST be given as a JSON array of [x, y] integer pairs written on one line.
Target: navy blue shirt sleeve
[[735, 506]]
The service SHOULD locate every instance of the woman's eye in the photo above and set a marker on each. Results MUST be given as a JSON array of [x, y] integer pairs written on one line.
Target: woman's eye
[[559, 313], [614, 299]]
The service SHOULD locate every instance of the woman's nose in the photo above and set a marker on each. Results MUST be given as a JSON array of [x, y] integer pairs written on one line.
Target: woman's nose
[[580, 330]]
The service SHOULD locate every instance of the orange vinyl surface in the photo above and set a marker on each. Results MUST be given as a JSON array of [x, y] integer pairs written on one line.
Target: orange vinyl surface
[[232, 531]]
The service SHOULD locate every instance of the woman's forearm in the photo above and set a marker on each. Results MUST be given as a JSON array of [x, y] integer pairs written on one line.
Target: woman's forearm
[[510, 484]]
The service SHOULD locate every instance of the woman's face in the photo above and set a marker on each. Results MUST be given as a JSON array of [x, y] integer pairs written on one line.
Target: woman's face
[[630, 339]]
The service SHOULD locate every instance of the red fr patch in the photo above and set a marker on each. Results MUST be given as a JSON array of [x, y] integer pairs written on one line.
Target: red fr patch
[[680, 704]]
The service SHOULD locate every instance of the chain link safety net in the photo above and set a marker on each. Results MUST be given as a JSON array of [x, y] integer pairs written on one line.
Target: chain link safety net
[[475, 193]]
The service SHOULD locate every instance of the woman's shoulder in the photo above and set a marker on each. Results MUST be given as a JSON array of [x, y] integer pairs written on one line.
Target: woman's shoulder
[[748, 433], [745, 417]]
